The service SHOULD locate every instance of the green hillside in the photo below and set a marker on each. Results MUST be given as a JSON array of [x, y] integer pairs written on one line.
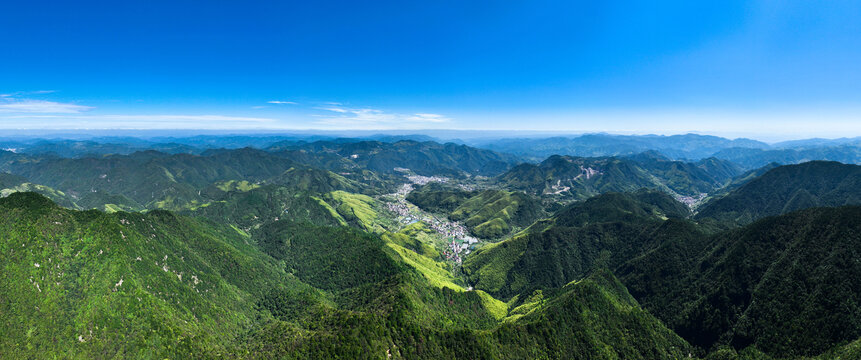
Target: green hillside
[[493, 213], [8, 180], [788, 188], [10, 184], [581, 178], [305, 178], [602, 231], [787, 285], [487, 214], [438, 198], [151, 179], [253, 208], [90, 284], [593, 318], [424, 158]]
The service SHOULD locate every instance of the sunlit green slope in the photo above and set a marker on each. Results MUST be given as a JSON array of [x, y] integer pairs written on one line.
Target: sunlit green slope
[[96, 285]]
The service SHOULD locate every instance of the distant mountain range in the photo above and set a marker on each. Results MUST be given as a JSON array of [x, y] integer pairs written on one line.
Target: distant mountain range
[[690, 146], [746, 153], [152, 179]]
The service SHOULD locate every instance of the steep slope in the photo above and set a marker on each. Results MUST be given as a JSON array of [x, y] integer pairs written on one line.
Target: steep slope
[[593, 318], [308, 179], [581, 178], [487, 214], [687, 177], [788, 285], [740, 180], [438, 198], [606, 230], [8, 180], [250, 209], [494, 213], [788, 188], [90, 284], [10, 183]]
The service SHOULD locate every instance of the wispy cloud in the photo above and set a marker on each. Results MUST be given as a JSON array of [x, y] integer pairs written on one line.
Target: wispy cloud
[[19, 93], [345, 117], [278, 102], [20, 102], [432, 118], [9, 104], [120, 121]]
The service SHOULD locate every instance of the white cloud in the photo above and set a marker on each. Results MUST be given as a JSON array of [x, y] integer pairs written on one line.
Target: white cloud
[[345, 117], [281, 102], [335, 109], [17, 102], [19, 93], [120, 121], [12, 105], [435, 118]]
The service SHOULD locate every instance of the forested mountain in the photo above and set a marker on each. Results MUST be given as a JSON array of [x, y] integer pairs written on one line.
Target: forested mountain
[[124, 284], [606, 230], [787, 188], [752, 286], [161, 285], [436, 197], [487, 214], [10, 183], [581, 178], [740, 180], [424, 158], [788, 285], [151, 179]]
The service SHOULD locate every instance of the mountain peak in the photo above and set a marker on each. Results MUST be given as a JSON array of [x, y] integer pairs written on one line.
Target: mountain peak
[[27, 200]]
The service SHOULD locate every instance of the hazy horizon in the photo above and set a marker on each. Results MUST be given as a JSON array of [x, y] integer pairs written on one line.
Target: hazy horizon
[[440, 134]]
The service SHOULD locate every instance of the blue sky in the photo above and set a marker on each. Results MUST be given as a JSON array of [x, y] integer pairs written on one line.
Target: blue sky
[[779, 69]]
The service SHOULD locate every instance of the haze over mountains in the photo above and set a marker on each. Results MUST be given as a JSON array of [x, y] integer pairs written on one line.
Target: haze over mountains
[[746, 152], [283, 246]]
